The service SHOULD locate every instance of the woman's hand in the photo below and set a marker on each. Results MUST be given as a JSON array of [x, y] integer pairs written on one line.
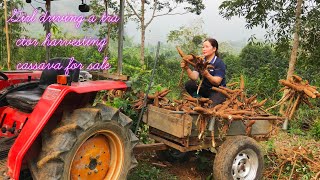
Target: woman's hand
[[184, 65], [205, 73]]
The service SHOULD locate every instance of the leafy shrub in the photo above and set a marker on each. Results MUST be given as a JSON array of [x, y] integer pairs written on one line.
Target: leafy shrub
[[315, 131]]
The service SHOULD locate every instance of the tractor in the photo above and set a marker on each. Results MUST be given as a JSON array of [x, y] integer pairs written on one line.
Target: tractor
[[51, 127]]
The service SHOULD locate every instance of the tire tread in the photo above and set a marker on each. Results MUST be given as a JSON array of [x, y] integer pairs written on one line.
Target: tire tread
[[230, 148], [60, 141]]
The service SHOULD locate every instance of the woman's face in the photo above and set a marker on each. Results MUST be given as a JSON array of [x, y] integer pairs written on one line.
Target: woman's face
[[207, 49]]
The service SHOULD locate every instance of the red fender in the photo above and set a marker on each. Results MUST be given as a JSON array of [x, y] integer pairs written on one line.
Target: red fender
[[17, 77]]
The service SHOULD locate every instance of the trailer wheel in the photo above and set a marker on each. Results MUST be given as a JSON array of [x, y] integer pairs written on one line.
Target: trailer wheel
[[238, 158], [89, 143], [173, 155]]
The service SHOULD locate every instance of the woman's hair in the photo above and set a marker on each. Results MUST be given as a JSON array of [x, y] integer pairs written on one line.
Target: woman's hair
[[214, 43]]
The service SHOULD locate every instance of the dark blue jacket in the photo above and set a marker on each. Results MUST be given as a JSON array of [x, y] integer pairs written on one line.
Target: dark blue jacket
[[219, 70]]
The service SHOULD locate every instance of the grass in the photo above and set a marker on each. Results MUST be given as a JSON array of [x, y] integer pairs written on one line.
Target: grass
[[147, 171], [289, 140]]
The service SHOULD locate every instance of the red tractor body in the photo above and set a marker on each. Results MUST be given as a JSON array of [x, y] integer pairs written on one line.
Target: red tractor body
[[27, 127], [16, 77]]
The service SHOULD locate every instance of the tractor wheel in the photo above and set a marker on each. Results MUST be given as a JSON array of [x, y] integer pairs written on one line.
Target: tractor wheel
[[89, 143], [239, 157]]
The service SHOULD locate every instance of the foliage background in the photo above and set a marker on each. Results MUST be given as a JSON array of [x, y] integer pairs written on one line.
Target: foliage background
[[263, 64]]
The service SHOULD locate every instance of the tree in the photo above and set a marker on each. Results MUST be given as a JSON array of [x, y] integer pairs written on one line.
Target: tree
[[189, 38], [14, 29], [310, 48], [138, 10], [105, 30], [294, 50], [282, 18]]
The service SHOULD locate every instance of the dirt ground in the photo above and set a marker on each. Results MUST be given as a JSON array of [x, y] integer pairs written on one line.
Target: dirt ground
[[199, 166]]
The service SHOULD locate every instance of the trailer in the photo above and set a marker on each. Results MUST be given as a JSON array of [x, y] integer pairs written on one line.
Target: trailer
[[237, 155]]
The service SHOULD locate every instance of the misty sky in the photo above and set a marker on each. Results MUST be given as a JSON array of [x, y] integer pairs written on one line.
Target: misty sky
[[214, 25]]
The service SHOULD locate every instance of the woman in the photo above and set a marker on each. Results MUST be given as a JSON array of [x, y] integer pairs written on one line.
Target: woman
[[212, 77]]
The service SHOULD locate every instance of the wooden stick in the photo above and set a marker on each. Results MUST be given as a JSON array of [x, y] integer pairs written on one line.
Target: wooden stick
[[235, 112], [200, 85], [212, 139], [221, 91], [241, 82], [242, 96], [201, 110], [156, 100], [235, 107], [229, 90], [161, 95], [281, 111], [191, 63], [294, 164], [313, 90], [186, 58], [163, 91], [281, 101], [281, 169], [264, 111], [166, 99], [204, 100], [308, 159], [216, 108], [295, 106], [251, 99], [290, 85], [289, 106], [266, 118], [137, 104], [232, 84], [198, 119], [286, 97], [159, 165], [224, 106], [261, 103], [249, 127], [180, 51], [231, 117], [309, 93], [297, 78], [282, 89], [291, 80], [307, 102], [191, 99]]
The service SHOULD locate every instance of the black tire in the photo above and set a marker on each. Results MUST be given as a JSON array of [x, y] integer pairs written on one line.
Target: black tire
[[238, 152], [173, 155], [62, 146]]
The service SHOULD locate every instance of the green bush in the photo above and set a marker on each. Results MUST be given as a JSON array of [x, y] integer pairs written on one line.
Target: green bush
[[315, 131]]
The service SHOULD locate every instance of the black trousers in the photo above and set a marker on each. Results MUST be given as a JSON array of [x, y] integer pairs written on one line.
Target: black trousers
[[217, 97]]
